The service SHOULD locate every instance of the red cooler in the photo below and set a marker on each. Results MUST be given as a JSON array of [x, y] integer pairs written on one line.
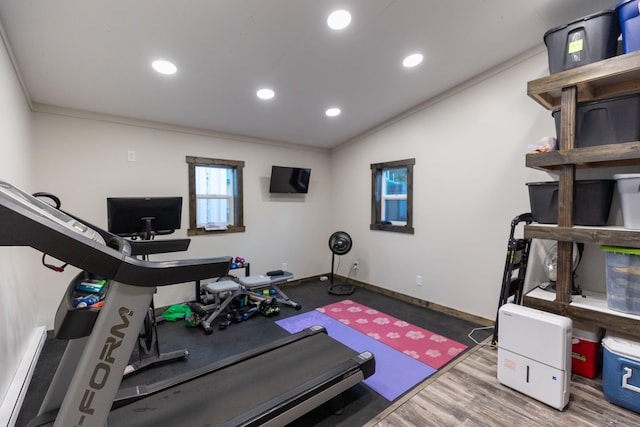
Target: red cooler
[[586, 353]]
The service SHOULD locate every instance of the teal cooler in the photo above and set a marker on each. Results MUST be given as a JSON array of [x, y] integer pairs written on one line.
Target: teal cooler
[[629, 16], [621, 371]]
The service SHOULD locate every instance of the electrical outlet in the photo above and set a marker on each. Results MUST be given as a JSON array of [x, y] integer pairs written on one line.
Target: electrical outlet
[[131, 156], [284, 266], [356, 265], [418, 280]]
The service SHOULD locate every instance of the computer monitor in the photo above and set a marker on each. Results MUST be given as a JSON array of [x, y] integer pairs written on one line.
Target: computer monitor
[[143, 216]]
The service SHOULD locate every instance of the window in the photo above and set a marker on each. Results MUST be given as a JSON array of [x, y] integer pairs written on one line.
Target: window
[[392, 196], [215, 196]]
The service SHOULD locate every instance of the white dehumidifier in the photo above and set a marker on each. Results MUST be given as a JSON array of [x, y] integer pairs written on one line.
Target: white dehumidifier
[[534, 353]]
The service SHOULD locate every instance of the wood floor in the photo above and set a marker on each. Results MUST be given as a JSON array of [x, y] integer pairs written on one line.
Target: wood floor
[[467, 393]]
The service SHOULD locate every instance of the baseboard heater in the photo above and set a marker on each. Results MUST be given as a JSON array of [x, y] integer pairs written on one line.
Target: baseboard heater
[[534, 353]]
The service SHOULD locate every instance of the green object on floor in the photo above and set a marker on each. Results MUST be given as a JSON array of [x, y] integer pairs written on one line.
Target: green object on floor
[[175, 312]]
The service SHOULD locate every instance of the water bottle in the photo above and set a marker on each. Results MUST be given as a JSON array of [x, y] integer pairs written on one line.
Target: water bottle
[[86, 301]]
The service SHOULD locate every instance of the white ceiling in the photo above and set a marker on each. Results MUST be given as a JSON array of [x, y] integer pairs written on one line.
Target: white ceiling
[[95, 56]]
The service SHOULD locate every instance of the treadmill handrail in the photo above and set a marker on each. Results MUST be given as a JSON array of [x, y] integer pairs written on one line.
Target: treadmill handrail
[[137, 272]]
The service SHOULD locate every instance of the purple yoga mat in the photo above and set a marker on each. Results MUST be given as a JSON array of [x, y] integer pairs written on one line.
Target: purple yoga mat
[[396, 372]]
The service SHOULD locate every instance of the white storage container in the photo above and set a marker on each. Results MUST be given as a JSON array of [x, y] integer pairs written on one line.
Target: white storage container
[[628, 185]]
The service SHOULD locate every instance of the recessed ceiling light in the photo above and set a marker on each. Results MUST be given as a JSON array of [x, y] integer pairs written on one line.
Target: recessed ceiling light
[[265, 93], [332, 112], [412, 60], [339, 20], [164, 67]]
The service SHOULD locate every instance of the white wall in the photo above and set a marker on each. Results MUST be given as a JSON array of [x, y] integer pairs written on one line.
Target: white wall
[[469, 183], [18, 309], [84, 161]]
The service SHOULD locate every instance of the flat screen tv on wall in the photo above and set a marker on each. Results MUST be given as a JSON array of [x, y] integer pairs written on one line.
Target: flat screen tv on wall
[[288, 180]]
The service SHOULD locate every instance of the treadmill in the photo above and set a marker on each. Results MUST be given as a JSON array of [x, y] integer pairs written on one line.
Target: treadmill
[[236, 391]]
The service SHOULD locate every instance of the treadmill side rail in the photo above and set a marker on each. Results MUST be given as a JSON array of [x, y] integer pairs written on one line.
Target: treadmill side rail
[[367, 363], [299, 400]]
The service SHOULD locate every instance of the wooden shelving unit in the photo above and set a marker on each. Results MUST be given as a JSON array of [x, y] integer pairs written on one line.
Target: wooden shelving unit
[[591, 308], [613, 236], [605, 79], [625, 154], [615, 76]]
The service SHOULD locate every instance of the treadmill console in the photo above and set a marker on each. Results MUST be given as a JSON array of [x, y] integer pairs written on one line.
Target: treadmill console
[[11, 194]]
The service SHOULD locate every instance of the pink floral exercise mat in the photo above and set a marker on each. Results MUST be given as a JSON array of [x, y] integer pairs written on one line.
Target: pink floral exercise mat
[[431, 349]]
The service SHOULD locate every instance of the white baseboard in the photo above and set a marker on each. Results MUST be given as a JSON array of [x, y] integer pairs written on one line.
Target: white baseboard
[[12, 402]]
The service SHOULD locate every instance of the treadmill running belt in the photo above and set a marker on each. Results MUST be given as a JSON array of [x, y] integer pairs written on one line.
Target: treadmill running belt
[[231, 394]]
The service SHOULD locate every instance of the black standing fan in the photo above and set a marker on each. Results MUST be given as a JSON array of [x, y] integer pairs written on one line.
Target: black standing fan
[[339, 243]]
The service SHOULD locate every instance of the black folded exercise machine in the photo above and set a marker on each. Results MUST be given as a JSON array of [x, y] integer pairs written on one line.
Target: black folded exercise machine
[[86, 384]]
